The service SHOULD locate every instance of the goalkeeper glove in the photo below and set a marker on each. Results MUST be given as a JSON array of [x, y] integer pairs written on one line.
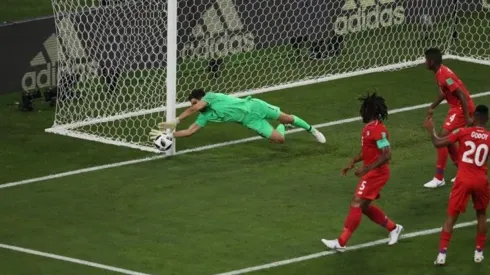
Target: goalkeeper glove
[[169, 125], [154, 133]]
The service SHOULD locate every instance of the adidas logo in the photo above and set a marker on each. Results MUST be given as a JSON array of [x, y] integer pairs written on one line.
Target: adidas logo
[[219, 33], [45, 63], [368, 15], [46, 60]]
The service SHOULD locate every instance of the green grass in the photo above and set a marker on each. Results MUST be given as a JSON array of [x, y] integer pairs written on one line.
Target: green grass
[[232, 207]]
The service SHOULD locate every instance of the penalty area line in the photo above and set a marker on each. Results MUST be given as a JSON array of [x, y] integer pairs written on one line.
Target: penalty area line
[[71, 260], [204, 148], [349, 248]]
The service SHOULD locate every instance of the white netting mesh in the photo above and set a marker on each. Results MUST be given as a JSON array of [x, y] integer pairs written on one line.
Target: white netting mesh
[[112, 54]]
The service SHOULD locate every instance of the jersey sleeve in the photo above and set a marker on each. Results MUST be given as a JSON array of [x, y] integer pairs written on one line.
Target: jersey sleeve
[[201, 120], [448, 81], [381, 137], [455, 135]]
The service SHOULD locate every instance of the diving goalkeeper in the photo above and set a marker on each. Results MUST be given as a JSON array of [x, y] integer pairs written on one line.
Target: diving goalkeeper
[[250, 112]]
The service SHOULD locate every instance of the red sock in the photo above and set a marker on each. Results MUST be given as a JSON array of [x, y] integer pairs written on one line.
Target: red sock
[[481, 239], [442, 154], [378, 216], [351, 223], [444, 241], [453, 153]]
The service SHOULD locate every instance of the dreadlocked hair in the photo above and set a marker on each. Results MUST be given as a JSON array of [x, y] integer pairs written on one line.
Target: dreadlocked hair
[[373, 107]]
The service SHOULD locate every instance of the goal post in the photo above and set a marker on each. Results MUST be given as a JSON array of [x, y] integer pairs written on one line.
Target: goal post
[[126, 65]]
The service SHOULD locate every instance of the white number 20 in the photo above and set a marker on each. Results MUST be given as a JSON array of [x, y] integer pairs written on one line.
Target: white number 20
[[477, 155]]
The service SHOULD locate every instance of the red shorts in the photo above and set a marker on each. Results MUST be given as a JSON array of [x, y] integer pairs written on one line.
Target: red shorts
[[455, 119], [461, 193], [371, 184]]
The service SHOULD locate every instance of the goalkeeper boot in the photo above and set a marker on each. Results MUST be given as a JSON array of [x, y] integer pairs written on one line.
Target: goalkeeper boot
[[318, 135]]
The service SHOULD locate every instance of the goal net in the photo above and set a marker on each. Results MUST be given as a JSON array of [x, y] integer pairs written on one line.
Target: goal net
[[117, 76]]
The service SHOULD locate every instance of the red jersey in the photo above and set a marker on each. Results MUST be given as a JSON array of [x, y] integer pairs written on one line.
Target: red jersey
[[374, 138], [474, 144], [448, 82]]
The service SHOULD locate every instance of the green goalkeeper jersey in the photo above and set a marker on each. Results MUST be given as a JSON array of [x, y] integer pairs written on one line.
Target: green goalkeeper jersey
[[223, 108]]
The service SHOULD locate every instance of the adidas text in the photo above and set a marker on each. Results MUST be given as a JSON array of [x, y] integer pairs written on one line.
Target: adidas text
[[218, 33], [46, 76], [368, 15], [215, 47], [43, 78]]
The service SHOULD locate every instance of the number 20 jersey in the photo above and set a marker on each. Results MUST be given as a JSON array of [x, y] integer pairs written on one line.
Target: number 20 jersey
[[474, 144]]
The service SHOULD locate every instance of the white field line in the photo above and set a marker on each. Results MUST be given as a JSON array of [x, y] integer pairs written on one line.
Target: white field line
[[203, 148], [236, 272], [351, 248], [71, 260]]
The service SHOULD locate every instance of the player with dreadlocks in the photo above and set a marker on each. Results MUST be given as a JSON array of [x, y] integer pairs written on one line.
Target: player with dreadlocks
[[374, 174]]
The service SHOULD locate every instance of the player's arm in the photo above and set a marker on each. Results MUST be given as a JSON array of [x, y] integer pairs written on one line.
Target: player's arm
[[436, 140], [464, 104], [352, 163], [187, 132], [188, 112], [192, 110], [381, 160], [357, 158], [436, 103], [384, 146]]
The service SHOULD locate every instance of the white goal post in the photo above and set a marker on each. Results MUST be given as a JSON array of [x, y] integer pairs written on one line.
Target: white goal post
[[125, 65]]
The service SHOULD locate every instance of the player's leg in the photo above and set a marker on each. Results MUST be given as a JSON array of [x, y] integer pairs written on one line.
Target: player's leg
[[481, 235], [299, 122], [351, 223], [378, 216], [374, 213], [481, 200], [452, 122], [445, 237], [442, 155], [367, 190], [263, 128], [272, 112], [457, 204]]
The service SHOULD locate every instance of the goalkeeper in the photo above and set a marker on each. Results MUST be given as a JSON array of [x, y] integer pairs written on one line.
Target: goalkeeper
[[250, 112]]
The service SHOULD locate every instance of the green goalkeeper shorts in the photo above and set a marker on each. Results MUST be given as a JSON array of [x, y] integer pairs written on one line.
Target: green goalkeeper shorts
[[260, 112]]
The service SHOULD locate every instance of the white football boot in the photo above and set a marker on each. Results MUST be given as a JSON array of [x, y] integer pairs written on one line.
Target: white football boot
[[395, 234], [318, 135], [478, 256], [334, 245], [435, 183], [441, 259], [453, 180]]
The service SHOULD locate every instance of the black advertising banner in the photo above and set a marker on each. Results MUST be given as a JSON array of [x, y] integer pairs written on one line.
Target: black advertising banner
[[28, 55], [132, 35]]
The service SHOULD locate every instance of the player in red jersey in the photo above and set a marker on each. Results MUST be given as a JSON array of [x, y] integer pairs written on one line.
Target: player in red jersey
[[374, 174], [471, 179], [451, 89]]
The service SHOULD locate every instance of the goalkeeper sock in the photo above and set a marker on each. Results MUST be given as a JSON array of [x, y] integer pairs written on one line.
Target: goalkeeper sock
[[298, 122], [281, 129]]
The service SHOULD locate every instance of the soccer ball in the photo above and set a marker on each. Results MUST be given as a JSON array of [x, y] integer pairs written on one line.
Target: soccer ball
[[163, 142]]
